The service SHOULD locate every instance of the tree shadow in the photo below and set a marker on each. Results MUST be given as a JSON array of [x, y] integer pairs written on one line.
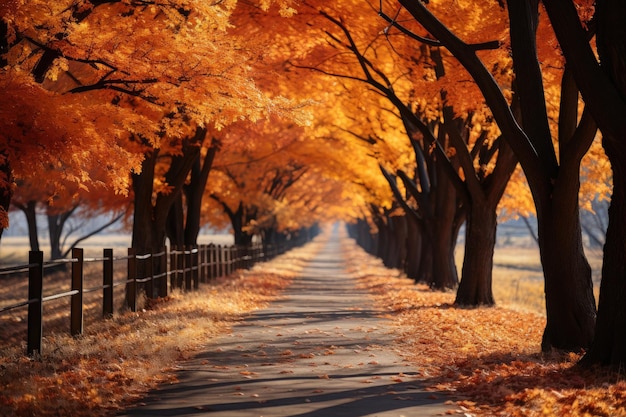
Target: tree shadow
[[502, 378], [366, 400]]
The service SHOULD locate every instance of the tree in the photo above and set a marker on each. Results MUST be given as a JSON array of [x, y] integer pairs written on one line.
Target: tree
[[64, 201], [61, 143], [602, 85], [569, 299]]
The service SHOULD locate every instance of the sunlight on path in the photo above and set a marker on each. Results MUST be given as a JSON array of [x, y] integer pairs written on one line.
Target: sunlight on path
[[320, 351]]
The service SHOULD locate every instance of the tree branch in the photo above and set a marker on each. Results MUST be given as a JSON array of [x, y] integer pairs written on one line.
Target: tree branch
[[93, 233], [489, 45], [398, 195]]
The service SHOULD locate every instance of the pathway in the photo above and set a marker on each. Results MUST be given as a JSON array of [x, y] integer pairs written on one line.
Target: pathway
[[320, 351]]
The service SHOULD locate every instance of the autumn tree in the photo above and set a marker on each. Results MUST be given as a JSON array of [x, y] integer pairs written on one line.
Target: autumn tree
[[603, 88], [553, 180], [65, 202]]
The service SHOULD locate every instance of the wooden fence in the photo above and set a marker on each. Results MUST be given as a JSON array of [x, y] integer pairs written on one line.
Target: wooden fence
[[155, 274]]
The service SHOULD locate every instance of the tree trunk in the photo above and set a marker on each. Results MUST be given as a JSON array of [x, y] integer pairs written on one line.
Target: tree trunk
[[56, 224], [480, 239], [395, 250], [238, 221], [475, 288], [383, 238], [401, 235], [175, 223], [444, 234], [609, 345], [4, 44], [6, 178], [148, 232], [54, 234], [194, 191], [30, 212], [570, 304], [414, 243]]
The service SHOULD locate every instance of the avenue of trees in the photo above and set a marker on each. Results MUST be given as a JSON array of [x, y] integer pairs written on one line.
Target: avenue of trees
[[405, 119]]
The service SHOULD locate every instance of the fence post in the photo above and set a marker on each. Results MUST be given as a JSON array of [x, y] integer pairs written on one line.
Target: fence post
[[212, 261], [226, 260], [258, 254], [203, 263], [162, 262], [131, 286], [107, 283], [229, 264], [172, 270], [148, 270], [195, 266], [219, 258], [187, 267], [241, 257], [180, 266], [207, 260], [76, 315], [35, 308]]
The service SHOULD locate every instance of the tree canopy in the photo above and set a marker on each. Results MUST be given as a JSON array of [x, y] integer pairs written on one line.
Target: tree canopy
[[271, 116]]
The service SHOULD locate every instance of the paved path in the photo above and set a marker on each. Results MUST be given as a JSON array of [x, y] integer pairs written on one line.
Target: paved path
[[321, 351]]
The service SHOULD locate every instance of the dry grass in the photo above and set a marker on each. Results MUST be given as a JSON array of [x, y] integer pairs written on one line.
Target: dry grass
[[518, 277], [117, 361], [486, 361]]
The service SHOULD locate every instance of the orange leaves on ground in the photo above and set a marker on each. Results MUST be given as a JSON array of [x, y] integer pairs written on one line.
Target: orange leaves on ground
[[487, 359]]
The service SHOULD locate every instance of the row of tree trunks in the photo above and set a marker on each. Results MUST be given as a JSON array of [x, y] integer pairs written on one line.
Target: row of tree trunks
[[571, 306], [397, 241]]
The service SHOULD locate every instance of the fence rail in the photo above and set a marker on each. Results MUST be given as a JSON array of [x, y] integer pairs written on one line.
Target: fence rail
[[155, 274]]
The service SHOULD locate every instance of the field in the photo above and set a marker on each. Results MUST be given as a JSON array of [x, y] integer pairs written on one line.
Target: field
[[14, 249]]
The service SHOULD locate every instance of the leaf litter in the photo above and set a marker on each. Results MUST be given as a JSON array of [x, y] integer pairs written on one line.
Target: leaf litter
[[488, 360]]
